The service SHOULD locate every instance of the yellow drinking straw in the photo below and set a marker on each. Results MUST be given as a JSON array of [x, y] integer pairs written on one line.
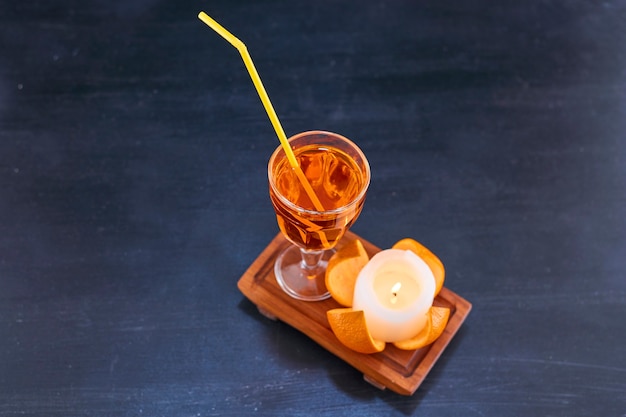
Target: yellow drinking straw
[[247, 60]]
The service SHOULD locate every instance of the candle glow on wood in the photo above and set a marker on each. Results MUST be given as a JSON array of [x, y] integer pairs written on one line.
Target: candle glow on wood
[[395, 290]]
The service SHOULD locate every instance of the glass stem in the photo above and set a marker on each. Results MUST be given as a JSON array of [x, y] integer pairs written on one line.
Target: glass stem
[[311, 258]]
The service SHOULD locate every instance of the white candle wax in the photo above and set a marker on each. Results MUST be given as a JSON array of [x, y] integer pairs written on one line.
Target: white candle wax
[[395, 290]]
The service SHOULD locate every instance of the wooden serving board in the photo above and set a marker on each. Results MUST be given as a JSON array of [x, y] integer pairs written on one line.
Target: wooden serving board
[[398, 370]]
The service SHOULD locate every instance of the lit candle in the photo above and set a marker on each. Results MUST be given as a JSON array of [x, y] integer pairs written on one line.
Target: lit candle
[[395, 290]]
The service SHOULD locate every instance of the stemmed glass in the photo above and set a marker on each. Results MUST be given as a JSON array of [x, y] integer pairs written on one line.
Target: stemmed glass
[[339, 174]]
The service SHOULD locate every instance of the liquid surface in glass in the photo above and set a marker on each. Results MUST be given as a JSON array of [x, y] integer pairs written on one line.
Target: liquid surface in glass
[[336, 180]]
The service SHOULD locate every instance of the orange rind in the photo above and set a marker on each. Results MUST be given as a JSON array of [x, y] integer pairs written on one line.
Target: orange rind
[[433, 262], [436, 324], [343, 269], [350, 328]]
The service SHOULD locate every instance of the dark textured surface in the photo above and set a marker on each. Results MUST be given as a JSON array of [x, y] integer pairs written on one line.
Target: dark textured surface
[[133, 195]]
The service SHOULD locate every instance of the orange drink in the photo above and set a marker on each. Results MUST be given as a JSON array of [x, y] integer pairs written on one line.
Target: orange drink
[[339, 175]]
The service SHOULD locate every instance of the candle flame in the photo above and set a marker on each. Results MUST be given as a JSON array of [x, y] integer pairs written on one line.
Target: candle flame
[[394, 290]]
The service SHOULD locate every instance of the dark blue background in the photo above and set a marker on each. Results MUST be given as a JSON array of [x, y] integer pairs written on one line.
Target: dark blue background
[[133, 195]]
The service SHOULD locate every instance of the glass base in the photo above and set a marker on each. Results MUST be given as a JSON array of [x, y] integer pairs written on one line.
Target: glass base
[[297, 279]]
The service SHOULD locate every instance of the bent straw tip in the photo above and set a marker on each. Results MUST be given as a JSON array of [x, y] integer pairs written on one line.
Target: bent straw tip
[[222, 31]]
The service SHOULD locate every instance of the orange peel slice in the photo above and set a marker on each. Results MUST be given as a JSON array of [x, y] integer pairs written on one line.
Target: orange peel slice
[[350, 328], [343, 269], [433, 262], [436, 324]]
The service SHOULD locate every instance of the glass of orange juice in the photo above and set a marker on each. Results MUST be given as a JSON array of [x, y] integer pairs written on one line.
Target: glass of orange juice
[[339, 174]]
